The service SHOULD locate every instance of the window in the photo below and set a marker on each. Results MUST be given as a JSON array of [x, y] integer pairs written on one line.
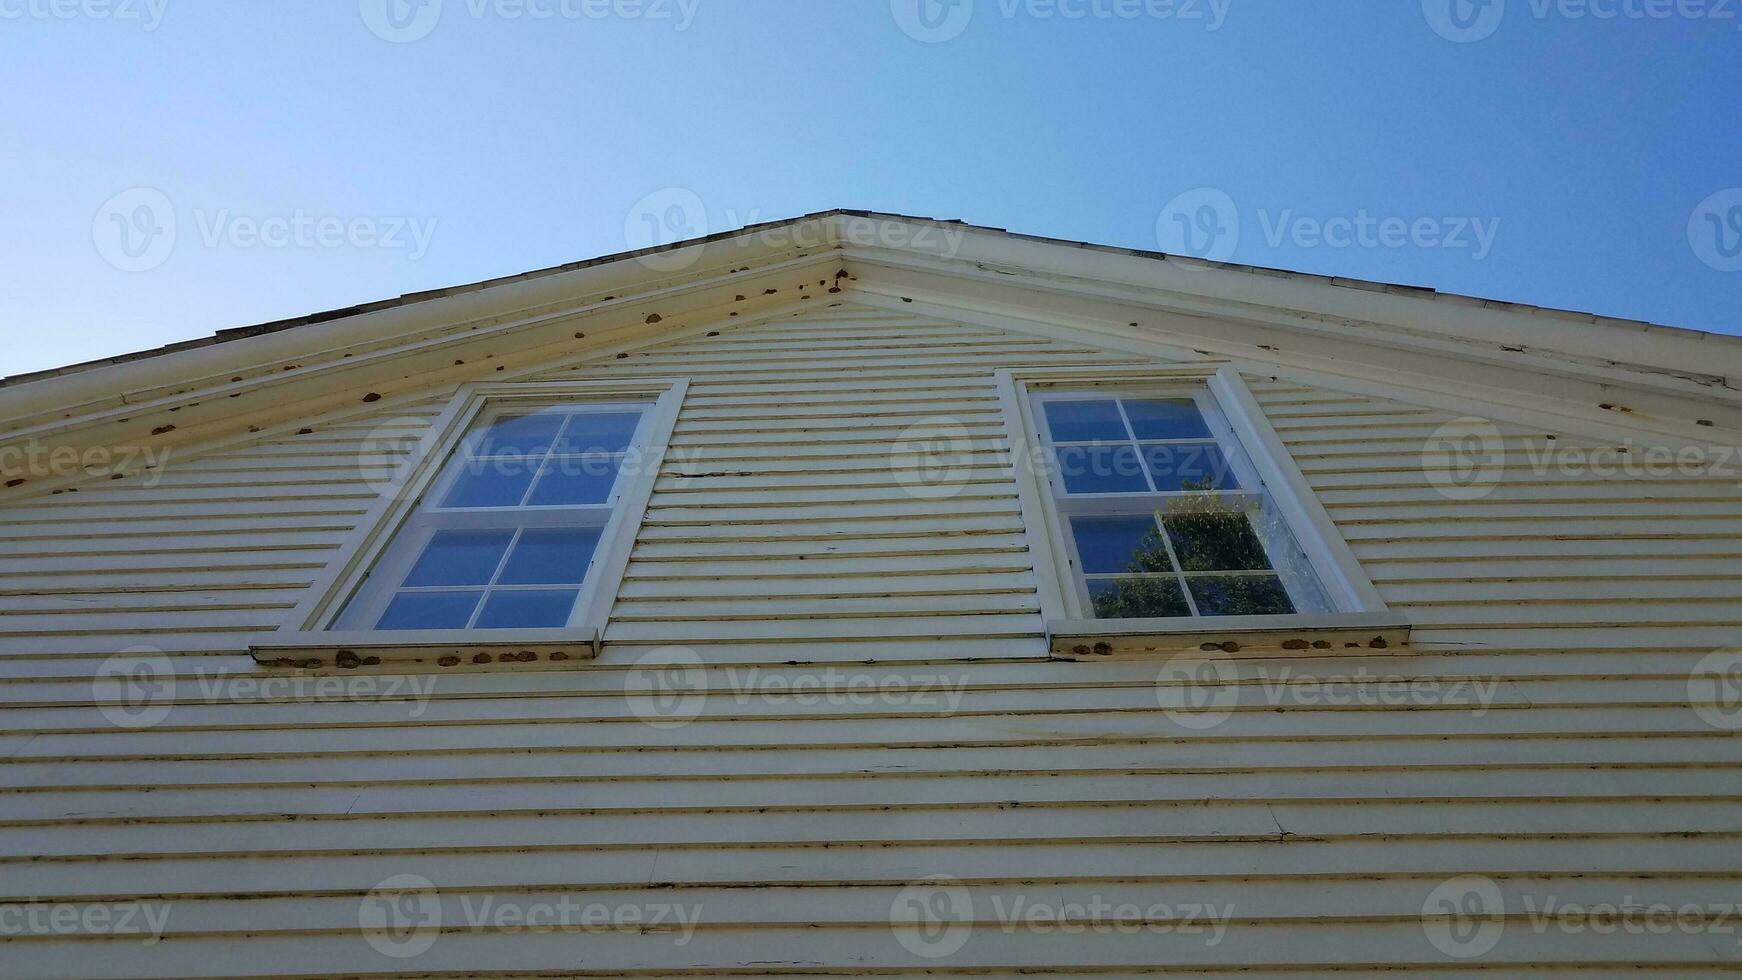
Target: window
[[1159, 501], [1165, 517], [506, 535], [510, 527]]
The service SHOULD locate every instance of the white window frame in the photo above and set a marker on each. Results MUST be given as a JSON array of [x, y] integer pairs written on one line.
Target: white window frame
[[1356, 608], [310, 630]]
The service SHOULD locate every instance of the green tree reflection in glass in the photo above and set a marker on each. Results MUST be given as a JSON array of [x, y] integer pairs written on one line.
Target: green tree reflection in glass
[[1208, 533]]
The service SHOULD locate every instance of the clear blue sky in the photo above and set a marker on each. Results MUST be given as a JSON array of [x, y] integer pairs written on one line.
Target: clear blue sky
[[513, 141]]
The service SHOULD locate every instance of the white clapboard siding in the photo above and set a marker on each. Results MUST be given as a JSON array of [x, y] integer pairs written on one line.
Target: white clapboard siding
[[810, 470], [874, 706], [1556, 550]]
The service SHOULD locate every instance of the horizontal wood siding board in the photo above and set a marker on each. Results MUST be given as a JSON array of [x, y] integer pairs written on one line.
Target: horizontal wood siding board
[[1500, 836]]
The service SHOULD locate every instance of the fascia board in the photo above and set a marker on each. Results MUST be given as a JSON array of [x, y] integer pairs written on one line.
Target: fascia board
[[621, 313], [1583, 339], [1527, 398], [210, 420], [80, 393]]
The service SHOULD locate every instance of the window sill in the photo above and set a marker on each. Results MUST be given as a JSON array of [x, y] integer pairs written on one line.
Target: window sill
[[1340, 634], [444, 648]]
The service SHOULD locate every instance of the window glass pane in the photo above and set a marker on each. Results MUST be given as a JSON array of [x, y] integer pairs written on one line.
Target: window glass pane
[[527, 610], [556, 556], [1172, 419], [594, 432], [491, 483], [1138, 598], [1189, 466], [1086, 421], [1241, 595], [1101, 469], [1215, 543], [429, 611], [459, 558], [1119, 544], [576, 480], [519, 435]]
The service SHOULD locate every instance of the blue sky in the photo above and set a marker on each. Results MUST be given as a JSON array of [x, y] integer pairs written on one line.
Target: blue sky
[[1584, 154]]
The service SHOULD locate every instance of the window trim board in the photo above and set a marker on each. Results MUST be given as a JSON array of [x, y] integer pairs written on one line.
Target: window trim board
[[1350, 591], [1324, 635], [305, 628], [366, 649]]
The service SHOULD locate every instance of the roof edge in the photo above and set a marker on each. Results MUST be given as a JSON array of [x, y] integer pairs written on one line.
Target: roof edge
[[1421, 293]]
